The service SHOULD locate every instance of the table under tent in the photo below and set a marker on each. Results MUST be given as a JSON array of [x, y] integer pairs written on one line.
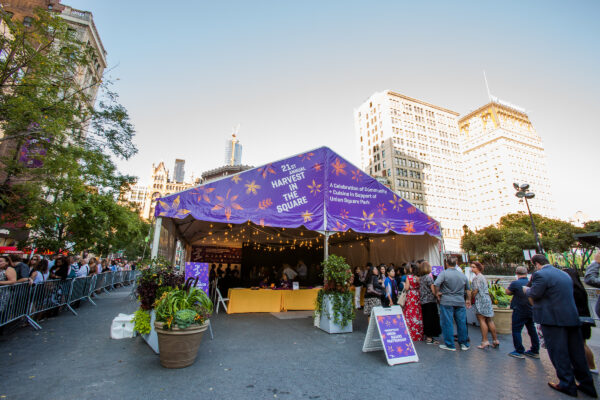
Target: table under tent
[[303, 207]]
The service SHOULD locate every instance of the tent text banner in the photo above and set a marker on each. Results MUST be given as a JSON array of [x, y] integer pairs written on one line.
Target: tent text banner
[[216, 254], [391, 336]]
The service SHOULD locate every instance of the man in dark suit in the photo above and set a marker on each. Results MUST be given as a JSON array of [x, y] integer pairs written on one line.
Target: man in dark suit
[[554, 308]]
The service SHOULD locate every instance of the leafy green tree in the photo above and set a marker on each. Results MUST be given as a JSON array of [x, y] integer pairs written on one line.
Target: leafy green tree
[[69, 198]]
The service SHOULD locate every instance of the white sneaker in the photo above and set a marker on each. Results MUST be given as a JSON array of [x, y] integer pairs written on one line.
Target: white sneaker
[[464, 347], [444, 347], [594, 371]]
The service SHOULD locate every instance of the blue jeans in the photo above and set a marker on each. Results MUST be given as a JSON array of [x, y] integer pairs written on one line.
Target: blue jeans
[[459, 313], [518, 321]]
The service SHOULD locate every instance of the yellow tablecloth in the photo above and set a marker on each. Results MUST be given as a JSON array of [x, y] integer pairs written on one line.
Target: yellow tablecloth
[[248, 300], [267, 300], [302, 299]]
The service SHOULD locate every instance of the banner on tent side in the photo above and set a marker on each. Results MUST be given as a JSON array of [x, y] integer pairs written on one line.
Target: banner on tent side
[[216, 254], [200, 271], [388, 331]]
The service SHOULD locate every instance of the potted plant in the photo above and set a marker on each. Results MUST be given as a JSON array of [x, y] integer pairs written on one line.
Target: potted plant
[[154, 280], [181, 319], [502, 311], [334, 305]]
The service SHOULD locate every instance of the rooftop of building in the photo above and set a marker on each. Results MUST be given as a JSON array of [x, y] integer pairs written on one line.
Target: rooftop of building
[[231, 169], [498, 104], [392, 93]]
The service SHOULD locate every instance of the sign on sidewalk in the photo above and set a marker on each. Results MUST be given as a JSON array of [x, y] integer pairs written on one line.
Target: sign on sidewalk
[[391, 335], [200, 271]]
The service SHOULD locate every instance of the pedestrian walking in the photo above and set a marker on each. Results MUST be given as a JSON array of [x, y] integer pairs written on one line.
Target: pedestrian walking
[[483, 307], [555, 310], [454, 294], [522, 317]]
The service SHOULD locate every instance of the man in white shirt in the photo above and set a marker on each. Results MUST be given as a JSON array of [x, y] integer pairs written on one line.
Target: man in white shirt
[[302, 270], [289, 271], [84, 270]]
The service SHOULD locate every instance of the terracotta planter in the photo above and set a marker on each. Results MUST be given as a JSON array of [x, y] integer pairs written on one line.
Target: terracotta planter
[[179, 347], [503, 320]]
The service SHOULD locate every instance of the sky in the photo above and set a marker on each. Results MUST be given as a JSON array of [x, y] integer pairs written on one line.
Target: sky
[[291, 74]]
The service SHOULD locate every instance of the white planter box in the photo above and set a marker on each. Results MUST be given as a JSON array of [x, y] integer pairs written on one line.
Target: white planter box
[[327, 324], [152, 337]]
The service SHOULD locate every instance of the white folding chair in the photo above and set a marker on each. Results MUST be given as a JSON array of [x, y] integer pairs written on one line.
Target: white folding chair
[[221, 300]]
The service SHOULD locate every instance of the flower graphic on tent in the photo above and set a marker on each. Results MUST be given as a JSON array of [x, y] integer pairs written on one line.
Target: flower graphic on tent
[[315, 187], [356, 175], [338, 167], [228, 204], [339, 226], [203, 193], [432, 225], [317, 167], [267, 169], [307, 216], [411, 210], [306, 156], [251, 187], [173, 209], [266, 203], [368, 220], [236, 179], [344, 214], [381, 208], [409, 227], [396, 203], [388, 226]]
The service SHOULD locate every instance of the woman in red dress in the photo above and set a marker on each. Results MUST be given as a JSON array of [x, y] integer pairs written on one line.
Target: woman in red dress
[[412, 307]]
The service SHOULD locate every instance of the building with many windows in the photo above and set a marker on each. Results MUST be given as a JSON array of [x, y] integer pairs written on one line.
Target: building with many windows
[[415, 145], [233, 151], [179, 170], [500, 146]]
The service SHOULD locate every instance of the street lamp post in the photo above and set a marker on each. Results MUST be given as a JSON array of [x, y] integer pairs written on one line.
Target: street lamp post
[[524, 193]]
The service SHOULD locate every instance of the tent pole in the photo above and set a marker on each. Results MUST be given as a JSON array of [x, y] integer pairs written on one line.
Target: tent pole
[[326, 246], [156, 240]]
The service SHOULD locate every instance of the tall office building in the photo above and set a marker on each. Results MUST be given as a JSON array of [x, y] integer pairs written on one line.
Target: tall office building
[[233, 151], [416, 147], [179, 170], [500, 146]]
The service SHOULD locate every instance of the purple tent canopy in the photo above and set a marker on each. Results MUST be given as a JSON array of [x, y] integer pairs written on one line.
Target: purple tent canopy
[[318, 190]]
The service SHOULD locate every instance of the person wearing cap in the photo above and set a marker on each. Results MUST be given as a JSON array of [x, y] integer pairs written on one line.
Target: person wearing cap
[[555, 310], [522, 317]]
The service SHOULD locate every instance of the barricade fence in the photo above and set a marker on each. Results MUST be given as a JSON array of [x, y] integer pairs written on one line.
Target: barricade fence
[[23, 300]]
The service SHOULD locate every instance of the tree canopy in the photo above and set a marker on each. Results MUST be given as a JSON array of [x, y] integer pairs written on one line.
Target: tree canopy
[[58, 142]]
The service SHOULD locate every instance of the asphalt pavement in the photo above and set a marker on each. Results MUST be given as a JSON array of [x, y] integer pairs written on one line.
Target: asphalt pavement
[[253, 356]]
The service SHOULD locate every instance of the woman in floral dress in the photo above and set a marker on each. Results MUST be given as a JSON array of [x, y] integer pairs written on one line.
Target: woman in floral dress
[[483, 306], [412, 307]]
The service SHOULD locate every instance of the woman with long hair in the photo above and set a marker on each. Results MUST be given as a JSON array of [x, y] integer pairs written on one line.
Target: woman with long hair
[[391, 288], [8, 275], [34, 263], [431, 317], [374, 291], [483, 306], [412, 308], [42, 273], [583, 309], [61, 269]]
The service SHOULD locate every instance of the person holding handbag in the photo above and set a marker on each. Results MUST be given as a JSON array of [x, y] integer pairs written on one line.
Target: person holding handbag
[[431, 317], [374, 291]]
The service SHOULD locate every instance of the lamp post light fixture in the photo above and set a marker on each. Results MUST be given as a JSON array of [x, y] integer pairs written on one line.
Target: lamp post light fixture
[[524, 193]]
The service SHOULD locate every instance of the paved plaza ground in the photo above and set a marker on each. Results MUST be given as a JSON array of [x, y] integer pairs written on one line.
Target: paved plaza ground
[[253, 356]]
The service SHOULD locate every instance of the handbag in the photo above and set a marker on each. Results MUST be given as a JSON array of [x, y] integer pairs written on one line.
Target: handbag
[[371, 290], [402, 298]]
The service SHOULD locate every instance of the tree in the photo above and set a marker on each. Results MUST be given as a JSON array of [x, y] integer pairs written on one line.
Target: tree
[[56, 147], [506, 241]]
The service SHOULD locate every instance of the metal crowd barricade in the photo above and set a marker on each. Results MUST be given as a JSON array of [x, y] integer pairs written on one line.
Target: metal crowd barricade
[[51, 294], [80, 289], [14, 304], [109, 282]]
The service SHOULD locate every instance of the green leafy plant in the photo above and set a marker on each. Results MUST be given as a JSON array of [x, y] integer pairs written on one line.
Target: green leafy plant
[[337, 274], [188, 298], [141, 322], [185, 318], [498, 295]]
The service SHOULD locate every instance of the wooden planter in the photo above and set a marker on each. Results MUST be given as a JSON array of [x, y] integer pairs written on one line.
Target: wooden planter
[[503, 320], [179, 347]]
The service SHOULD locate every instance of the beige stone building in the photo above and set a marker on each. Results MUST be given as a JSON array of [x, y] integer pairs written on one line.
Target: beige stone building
[[500, 146]]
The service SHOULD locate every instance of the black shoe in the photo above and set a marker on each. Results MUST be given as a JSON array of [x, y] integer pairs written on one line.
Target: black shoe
[[589, 391], [561, 389]]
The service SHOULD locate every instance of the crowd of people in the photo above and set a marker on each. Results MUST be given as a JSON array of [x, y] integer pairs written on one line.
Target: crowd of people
[[38, 269], [552, 306]]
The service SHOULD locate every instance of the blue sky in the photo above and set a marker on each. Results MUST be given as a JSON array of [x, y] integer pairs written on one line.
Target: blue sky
[[291, 74]]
